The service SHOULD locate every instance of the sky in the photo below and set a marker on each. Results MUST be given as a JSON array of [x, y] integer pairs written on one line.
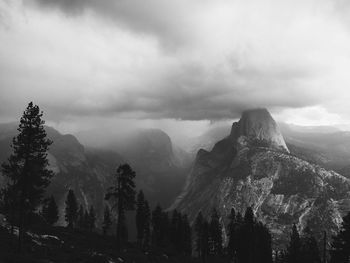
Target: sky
[[181, 66]]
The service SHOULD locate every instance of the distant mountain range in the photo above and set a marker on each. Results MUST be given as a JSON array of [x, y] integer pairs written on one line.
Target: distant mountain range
[[253, 166], [281, 170]]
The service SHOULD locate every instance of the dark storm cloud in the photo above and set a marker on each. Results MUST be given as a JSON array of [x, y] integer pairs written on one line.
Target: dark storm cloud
[[164, 19], [107, 58]]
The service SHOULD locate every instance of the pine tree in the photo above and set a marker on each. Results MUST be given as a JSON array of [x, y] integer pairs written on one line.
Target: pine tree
[[158, 230], [140, 216], [341, 243], [107, 221], [86, 221], [186, 236], [92, 219], [50, 211], [174, 229], [164, 229], [262, 244], [71, 215], [253, 243], [81, 217], [26, 170], [147, 226], [232, 234], [198, 229], [309, 249], [249, 216], [205, 241], [294, 248], [123, 194], [215, 234]]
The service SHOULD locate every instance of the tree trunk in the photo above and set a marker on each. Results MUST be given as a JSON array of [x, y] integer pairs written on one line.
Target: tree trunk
[[20, 225], [324, 247]]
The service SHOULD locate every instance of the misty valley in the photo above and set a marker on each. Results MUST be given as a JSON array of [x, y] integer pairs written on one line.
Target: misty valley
[[257, 191]]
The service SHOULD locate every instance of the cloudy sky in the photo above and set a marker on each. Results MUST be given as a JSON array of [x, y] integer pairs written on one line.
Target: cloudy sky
[[175, 64]]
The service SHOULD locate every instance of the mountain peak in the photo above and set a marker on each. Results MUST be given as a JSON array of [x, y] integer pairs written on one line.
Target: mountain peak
[[258, 124]]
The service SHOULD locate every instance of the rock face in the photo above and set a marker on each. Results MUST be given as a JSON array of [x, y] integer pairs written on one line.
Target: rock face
[[259, 125], [252, 167]]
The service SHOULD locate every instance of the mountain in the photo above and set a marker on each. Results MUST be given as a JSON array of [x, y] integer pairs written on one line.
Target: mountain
[[87, 171], [252, 166]]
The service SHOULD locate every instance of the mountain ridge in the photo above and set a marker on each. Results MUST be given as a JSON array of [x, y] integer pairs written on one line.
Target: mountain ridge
[[242, 171]]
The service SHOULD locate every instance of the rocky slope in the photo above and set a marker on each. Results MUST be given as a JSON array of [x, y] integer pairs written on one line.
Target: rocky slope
[[253, 167]]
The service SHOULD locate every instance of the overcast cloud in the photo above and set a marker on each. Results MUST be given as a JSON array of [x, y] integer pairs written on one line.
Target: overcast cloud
[[171, 61]]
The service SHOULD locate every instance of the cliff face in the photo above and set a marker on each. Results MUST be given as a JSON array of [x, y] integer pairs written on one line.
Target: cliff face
[[252, 167], [258, 125]]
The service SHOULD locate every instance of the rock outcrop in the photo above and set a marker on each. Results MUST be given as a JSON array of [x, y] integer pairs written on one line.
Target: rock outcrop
[[253, 167], [258, 125]]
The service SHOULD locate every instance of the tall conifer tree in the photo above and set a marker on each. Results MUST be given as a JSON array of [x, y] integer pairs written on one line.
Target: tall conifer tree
[[198, 229], [294, 248], [50, 211], [26, 170], [123, 195], [71, 210], [107, 221], [140, 216], [147, 226], [341, 243], [215, 233]]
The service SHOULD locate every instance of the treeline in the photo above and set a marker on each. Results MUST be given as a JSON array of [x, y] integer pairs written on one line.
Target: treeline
[[158, 228]]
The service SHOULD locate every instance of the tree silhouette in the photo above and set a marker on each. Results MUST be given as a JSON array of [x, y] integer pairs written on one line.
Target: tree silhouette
[[81, 217], [50, 211], [123, 195], [205, 241], [341, 243], [86, 221], [253, 239], [147, 226], [71, 210], [198, 230], [215, 234], [92, 219], [26, 170], [140, 216], [107, 221], [157, 219], [232, 230], [186, 239], [309, 248], [294, 248]]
